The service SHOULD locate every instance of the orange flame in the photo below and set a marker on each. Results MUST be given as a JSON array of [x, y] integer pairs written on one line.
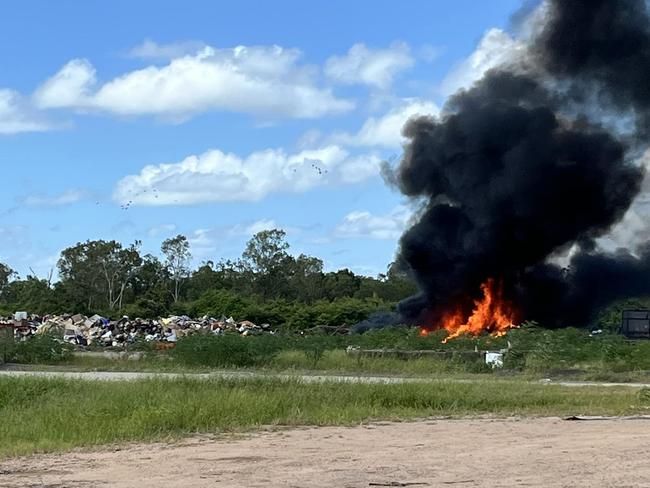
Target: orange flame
[[491, 314]]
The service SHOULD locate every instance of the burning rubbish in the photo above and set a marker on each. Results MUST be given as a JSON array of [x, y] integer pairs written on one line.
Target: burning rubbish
[[491, 314], [99, 331], [538, 159]]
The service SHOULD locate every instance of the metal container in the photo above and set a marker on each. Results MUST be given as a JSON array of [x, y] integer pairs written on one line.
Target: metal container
[[636, 324]]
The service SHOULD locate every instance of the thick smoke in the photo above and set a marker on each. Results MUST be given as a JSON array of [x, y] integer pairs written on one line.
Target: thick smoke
[[538, 157]]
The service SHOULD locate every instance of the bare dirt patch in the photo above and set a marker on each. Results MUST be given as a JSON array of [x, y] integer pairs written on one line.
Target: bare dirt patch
[[485, 453]]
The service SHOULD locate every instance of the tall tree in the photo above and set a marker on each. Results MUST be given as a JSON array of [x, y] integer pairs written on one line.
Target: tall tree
[[100, 270], [307, 278], [6, 274], [341, 283], [268, 261], [177, 260], [152, 280], [31, 294]]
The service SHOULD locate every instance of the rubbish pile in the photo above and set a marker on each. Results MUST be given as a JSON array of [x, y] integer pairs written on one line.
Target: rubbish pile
[[96, 330]]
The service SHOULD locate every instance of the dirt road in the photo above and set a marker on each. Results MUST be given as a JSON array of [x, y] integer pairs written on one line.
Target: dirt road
[[436, 453]]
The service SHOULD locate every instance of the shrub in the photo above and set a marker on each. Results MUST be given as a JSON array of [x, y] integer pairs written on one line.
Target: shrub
[[225, 350], [39, 349]]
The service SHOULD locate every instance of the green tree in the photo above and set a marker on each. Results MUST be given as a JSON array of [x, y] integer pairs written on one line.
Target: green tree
[[151, 284], [342, 283], [204, 279], [100, 271], [267, 260], [177, 260], [307, 278], [6, 274], [31, 294]]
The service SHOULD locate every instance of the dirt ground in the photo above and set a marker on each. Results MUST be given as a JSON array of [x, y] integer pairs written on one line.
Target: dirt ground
[[478, 453]]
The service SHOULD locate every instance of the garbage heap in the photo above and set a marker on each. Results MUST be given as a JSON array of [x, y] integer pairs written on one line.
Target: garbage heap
[[100, 331]]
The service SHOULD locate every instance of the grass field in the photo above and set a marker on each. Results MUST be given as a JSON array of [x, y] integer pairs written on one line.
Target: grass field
[[332, 361], [616, 368], [43, 415]]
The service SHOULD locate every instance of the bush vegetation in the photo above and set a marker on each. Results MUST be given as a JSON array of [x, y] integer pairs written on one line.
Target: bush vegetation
[[531, 351], [40, 349]]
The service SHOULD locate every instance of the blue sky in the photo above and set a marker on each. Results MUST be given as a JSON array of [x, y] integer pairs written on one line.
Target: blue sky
[[216, 119]]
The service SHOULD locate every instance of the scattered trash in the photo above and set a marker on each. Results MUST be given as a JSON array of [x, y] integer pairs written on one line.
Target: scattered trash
[[20, 316], [397, 483], [100, 331], [494, 359], [575, 418]]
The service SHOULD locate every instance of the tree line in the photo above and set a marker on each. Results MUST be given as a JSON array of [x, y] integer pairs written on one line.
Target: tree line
[[266, 283]]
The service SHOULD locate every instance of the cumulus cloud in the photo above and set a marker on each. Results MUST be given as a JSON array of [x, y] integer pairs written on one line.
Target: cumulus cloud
[[389, 226], [249, 230], [264, 81], [151, 50], [16, 116], [374, 67], [495, 48], [71, 87], [66, 198], [204, 241], [215, 176], [386, 131]]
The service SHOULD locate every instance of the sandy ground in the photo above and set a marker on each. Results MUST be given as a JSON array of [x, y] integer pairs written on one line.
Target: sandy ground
[[477, 453]]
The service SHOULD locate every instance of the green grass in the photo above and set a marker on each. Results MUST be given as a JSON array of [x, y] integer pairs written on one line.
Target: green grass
[[43, 415], [335, 361], [340, 362]]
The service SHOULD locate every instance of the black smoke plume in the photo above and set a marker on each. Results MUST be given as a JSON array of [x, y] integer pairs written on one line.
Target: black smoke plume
[[538, 157]]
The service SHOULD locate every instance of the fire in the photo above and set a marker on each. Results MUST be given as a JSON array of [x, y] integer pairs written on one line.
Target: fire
[[491, 314]]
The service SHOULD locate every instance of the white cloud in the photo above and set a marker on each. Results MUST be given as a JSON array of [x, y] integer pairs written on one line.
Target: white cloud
[[164, 229], [311, 138], [365, 224], [66, 198], [249, 230], [16, 116], [634, 228], [386, 131], [204, 241], [153, 51], [71, 87], [495, 48], [631, 231], [215, 176], [374, 67], [265, 81]]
